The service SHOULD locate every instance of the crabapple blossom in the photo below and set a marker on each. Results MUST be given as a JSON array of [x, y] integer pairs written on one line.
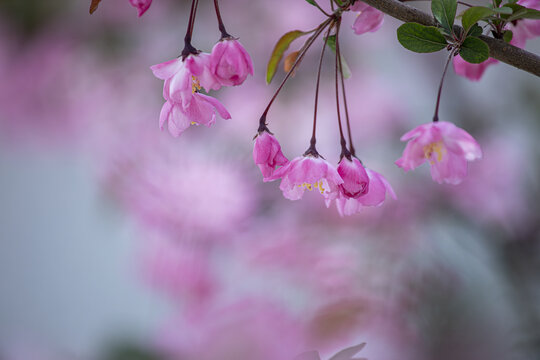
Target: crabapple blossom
[[185, 106], [375, 196], [368, 19], [230, 63], [267, 154], [355, 178], [201, 110], [184, 77], [141, 5], [446, 147], [308, 172]]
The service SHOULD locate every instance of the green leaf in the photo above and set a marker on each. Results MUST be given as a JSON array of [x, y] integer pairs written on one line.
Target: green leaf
[[445, 13], [474, 50], [420, 38], [279, 49], [331, 41], [503, 10], [508, 35], [312, 2], [525, 13], [474, 14], [476, 30], [498, 3]]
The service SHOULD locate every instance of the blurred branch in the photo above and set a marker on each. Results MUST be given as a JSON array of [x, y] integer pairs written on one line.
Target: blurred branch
[[498, 49]]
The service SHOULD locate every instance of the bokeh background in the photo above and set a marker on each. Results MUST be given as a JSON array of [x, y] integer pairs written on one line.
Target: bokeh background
[[118, 241]]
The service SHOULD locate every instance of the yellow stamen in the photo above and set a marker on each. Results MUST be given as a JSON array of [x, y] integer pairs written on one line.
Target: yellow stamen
[[319, 185], [438, 148], [195, 84]]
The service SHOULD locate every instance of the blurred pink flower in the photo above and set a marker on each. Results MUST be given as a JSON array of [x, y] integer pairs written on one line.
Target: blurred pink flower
[[250, 328], [527, 28], [230, 63], [472, 72], [182, 270], [141, 5], [355, 178], [375, 196], [267, 154], [523, 30], [369, 19], [447, 147], [308, 172], [201, 110]]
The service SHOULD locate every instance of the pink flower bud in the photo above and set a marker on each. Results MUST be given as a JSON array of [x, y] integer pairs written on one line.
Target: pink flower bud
[[368, 19], [141, 5], [267, 154], [355, 178], [230, 63]]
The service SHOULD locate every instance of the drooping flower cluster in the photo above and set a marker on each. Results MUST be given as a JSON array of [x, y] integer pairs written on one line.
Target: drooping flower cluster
[[227, 65], [350, 184]]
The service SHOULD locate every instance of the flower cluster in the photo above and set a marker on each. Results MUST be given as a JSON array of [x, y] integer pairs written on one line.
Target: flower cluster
[[228, 64], [350, 184]]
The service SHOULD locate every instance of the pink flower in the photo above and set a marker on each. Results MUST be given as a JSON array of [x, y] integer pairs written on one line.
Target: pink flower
[[447, 147], [528, 28], [375, 196], [355, 178], [308, 172], [201, 110], [141, 5], [184, 77], [267, 154], [369, 19], [230, 63], [185, 106], [472, 72]]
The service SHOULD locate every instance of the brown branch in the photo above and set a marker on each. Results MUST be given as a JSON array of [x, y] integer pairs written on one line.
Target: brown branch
[[498, 49]]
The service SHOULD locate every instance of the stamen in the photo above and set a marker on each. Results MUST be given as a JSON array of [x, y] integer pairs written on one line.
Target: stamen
[[195, 84], [438, 148]]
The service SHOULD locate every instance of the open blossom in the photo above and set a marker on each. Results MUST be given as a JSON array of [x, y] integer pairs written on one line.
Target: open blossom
[[185, 106], [369, 19], [230, 63], [201, 110], [375, 196], [446, 147], [141, 5], [184, 77], [355, 178], [267, 154], [308, 172]]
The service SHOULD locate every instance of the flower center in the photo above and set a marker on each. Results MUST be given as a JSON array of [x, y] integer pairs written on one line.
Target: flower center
[[318, 185], [437, 148], [195, 84]]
